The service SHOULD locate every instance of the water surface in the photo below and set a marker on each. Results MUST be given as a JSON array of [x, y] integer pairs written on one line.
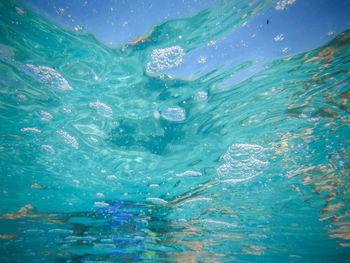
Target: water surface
[[108, 156]]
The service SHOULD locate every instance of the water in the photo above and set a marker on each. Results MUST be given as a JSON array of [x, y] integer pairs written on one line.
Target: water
[[107, 156]]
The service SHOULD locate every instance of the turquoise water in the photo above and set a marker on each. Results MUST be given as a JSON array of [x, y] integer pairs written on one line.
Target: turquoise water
[[108, 156]]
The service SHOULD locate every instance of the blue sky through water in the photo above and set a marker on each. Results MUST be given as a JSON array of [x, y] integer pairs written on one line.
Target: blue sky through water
[[286, 27], [304, 25]]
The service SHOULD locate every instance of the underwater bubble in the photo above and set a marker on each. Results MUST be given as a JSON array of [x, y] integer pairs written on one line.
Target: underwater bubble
[[76, 181], [69, 139], [234, 181], [79, 238], [66, 110], [47, 76], [242, 162], [21, 97], [195, 200], [278, 38], [101, 107], [33, 231], [202, 60], [101, 195], [211, 43], [48, 148], [157, 201], [60, 231], [45, 116], [30, 130], [285, 50], [284, 4], [93, 139], [217, 223], [174, 114], [201, 95], [78, 28], [190, 173], [100, 204], [156, 115], [165, 59]]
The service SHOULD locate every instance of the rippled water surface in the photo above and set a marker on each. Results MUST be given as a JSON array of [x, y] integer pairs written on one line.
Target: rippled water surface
[[107, 156]]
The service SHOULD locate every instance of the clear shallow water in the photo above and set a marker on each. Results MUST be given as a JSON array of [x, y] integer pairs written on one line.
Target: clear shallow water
[[105, 157]]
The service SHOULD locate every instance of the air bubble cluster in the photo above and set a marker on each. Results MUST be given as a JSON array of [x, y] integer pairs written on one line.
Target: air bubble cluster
[[174, 114], [284, 4], [101, 107], [242, 162], [166, 58], [47, 76], [69, 139]]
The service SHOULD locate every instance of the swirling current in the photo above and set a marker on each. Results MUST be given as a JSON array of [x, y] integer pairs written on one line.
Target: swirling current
[[107, 157]]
